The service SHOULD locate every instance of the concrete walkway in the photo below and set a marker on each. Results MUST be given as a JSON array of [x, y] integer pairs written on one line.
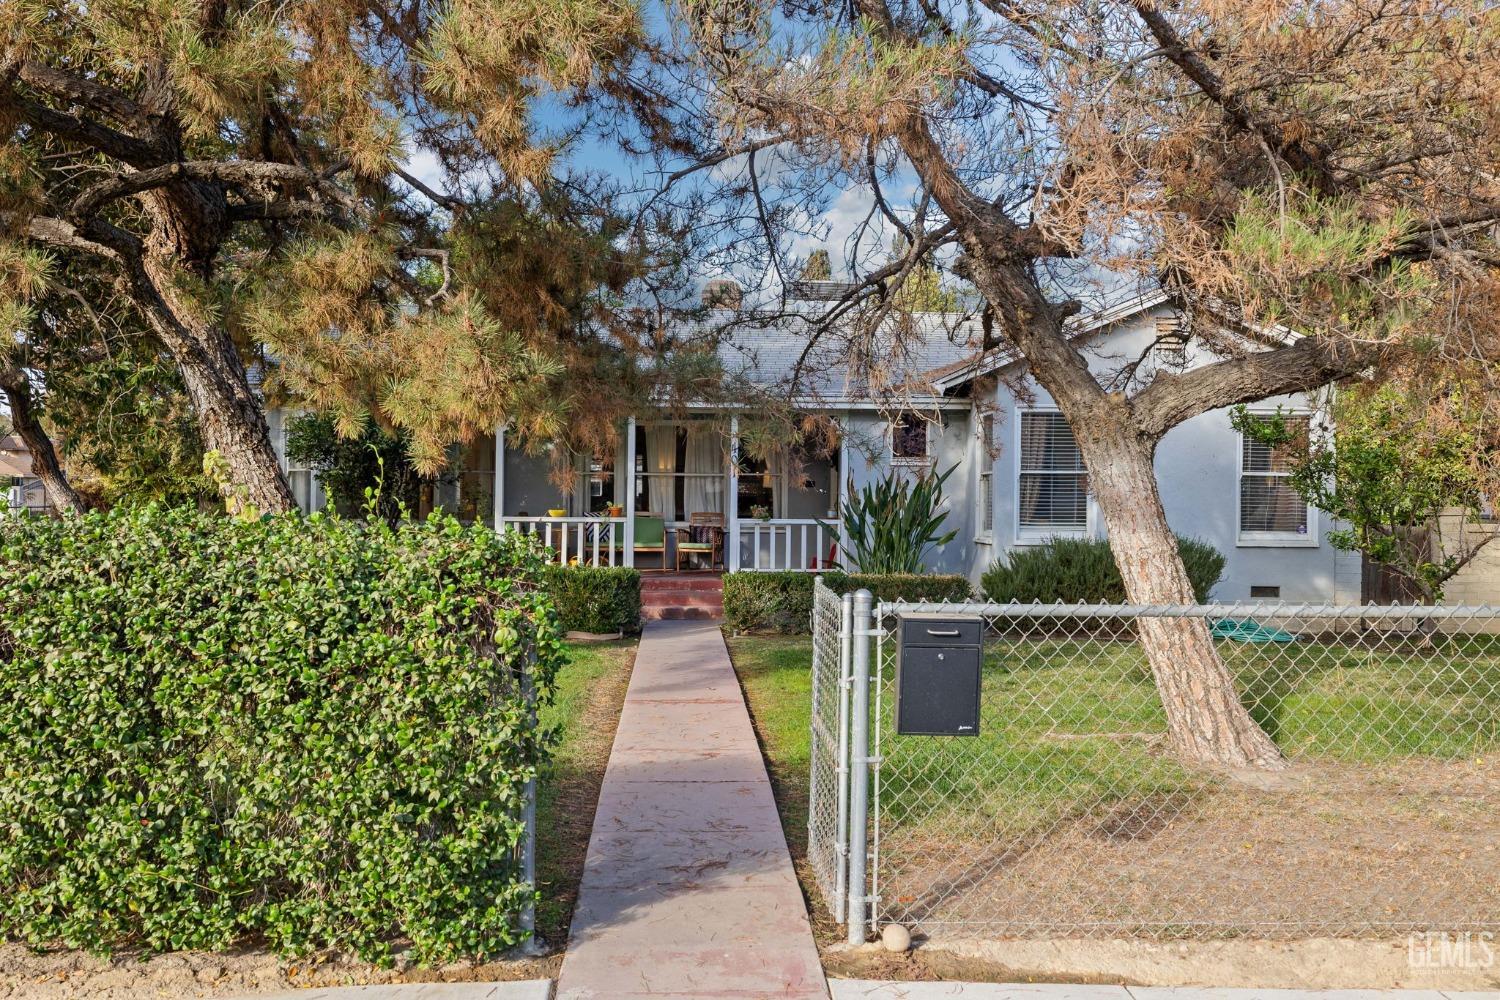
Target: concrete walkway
[[688, 889]]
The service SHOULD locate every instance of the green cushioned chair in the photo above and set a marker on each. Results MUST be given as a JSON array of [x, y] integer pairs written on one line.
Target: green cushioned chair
[[651, 535]]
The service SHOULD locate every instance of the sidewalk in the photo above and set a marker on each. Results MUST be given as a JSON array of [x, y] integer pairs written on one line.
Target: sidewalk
[[857, 989], [688, 889]]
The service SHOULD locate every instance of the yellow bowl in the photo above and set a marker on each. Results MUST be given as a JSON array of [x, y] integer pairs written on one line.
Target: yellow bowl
[[557, 512]]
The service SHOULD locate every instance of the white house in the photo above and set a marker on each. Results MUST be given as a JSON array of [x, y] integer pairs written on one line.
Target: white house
[[24, 491], [1018, 482]]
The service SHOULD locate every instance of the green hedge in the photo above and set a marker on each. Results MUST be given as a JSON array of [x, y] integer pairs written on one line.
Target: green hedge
[[1083, 571], [781, 603], [295, 730], [596, 598]]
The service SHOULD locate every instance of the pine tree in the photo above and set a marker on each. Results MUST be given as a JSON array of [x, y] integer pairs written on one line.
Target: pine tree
[[1323, 168], [220, 159]]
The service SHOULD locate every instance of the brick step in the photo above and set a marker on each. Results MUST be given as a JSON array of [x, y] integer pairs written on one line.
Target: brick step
[[677, 583], [682, 597], [682, 614]]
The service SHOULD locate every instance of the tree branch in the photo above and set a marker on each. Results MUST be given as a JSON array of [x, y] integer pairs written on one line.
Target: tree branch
[[254, 174], [1306, 364], [1306, 160], [71, 128], [97, 238], [79, 90]]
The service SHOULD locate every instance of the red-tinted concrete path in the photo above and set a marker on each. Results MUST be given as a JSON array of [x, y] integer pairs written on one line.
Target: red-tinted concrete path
[[688, 890]]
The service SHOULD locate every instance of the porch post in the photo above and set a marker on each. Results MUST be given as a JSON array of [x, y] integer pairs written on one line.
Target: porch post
[[841, 486], [629, 501], [498, 501], [732, 501]]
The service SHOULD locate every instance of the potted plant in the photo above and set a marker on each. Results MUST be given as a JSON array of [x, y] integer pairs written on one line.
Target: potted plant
[[616, 510], [760, 512]]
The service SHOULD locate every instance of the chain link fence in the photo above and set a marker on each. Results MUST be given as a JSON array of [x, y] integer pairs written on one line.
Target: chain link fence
[[828, 786], [1069, 814]]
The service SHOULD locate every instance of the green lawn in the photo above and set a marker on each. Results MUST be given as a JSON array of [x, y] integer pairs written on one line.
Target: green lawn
[[776, 676], [1069, 725], [590, 690]]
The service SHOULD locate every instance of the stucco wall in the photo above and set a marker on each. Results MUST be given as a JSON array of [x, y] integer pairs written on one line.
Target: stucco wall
[[950, 444], [1479, 581], [1197, 466]]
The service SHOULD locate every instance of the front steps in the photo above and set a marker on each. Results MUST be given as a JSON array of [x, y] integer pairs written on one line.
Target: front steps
[[677, 596]]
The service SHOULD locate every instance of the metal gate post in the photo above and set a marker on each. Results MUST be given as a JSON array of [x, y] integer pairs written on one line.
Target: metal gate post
[[841, 825], [859, 766]]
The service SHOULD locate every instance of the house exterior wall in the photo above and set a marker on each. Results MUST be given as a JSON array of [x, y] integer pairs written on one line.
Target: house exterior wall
[[950, 445], [1479, 581], [1197, 471]]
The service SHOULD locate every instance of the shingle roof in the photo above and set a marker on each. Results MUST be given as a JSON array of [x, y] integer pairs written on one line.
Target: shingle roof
[[775, 355]]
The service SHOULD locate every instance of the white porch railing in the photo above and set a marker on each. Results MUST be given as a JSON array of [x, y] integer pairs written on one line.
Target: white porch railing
[[786, 543], [597, 541]]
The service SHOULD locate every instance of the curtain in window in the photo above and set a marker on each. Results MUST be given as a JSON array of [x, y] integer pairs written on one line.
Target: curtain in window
[[661, 464], [703, 489], [1033, 445]]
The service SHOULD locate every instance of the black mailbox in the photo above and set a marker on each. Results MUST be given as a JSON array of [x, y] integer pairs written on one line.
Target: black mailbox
[[938, 675]]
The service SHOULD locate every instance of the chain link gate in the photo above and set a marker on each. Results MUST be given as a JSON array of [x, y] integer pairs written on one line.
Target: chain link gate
[[828, 787], [1069, 814]]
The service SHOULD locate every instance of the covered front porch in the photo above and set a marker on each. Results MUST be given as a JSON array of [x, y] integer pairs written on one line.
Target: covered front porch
[[676, 495]]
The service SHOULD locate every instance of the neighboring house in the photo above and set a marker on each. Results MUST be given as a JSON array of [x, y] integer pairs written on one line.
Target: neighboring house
[[23, 491], [1018, 481]]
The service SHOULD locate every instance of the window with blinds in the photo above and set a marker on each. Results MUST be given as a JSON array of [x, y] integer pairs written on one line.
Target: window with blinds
[[1268, 504], [1053, 489]]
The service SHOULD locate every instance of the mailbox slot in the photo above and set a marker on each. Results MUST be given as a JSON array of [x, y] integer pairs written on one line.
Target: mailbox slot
[[938, 671]]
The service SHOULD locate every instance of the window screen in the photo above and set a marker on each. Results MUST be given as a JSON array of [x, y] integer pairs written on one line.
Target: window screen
[[1053, 490], [909, 437], [1268, 504]]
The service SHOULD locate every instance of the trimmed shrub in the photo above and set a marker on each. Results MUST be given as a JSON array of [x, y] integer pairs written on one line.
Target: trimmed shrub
[[1083, 571], [299, 729], [781, 603], [596, 598]]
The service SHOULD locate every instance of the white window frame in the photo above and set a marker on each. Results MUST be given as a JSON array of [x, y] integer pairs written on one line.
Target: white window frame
[[1270, 539], [316, 498], [1040, 536], [906, 462], [984, 434]]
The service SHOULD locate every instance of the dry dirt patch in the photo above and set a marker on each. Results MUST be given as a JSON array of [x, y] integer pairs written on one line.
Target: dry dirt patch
[[73, 975], [1336, 850]]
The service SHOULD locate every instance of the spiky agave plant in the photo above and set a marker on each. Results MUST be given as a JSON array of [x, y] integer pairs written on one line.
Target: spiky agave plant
[[890, 525]]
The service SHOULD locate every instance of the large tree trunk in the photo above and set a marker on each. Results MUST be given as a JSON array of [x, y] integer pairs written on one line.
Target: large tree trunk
[[230, 418], [44, 463], [188, 227], [1204, 715]]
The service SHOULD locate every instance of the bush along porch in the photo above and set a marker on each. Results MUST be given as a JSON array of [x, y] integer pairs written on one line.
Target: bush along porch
[[304, 730], [781, 603]]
